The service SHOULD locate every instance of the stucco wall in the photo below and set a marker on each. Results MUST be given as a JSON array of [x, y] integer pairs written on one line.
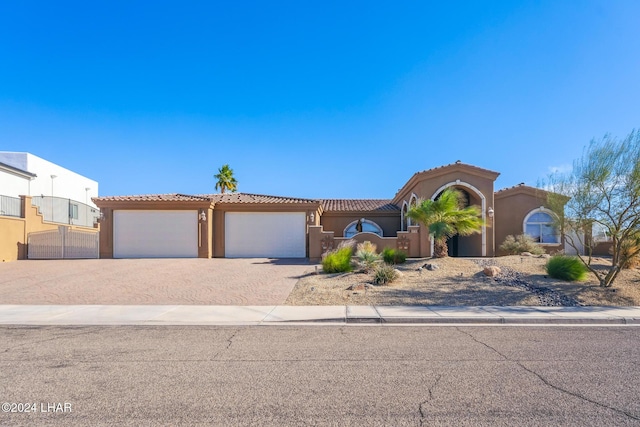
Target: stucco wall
[[337, 222], [205, 247], [510, 212], [219, 211], [430, 185], [321, 240], [13, 240]]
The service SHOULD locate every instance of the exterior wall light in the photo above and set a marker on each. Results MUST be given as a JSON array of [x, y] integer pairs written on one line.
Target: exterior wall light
[[202, 216], [312, 217], [490, 212]]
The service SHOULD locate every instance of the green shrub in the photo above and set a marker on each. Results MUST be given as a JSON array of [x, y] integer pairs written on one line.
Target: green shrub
[[520, 243], [337, 260], [393, 256], [367, 260], [569, 268], [384, 274]]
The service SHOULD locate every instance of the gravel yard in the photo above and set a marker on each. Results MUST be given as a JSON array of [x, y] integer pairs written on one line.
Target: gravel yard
[[460, 281]]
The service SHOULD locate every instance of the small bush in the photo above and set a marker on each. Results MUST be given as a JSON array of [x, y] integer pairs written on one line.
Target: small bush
[[337, 260], [367, 260], [393, 256], [568, 268], [520, 243], [366, 256], [384, 274]]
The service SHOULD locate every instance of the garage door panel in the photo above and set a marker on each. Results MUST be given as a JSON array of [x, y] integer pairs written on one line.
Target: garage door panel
[[155, 234], [270, 235]]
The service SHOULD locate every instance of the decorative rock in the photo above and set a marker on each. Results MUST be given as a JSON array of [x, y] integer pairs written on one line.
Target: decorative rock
[[526, 254], [398, 272], [544, 256], [492, 270], [431, 267], [547, 297]]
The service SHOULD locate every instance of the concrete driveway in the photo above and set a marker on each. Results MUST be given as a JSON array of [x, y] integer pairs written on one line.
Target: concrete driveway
[[151, 281]]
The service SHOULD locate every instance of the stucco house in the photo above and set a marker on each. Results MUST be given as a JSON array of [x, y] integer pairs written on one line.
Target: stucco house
[[250, 225]]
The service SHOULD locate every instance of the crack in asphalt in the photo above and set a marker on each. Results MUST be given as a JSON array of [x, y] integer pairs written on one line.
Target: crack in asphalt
[[422, 404], [547, 382], [229, 342]]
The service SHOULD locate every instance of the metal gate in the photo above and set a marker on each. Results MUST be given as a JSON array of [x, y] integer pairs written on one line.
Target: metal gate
[[63, 243]]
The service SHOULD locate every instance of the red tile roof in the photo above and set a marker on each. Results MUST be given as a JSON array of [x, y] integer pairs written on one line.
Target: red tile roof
[[521, 185], [254, 198], [458, 162], [173, 197], [367, 205], [331, 205]]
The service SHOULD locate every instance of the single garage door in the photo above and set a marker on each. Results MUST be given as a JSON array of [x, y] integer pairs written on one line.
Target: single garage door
[[155, 234], [265, 235]]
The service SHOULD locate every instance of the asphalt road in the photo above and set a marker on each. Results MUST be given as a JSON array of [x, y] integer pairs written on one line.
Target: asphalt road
[[320, 375]]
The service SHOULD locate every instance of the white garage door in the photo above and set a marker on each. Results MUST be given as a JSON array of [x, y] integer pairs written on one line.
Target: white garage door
[[155, 234], [268, 235]]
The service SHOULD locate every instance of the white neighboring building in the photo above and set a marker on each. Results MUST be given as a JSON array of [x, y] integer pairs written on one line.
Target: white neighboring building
[[29, 175], [14, 181]]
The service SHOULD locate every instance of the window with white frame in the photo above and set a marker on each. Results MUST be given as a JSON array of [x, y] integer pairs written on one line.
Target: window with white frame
[[540, 226], [367, 226]]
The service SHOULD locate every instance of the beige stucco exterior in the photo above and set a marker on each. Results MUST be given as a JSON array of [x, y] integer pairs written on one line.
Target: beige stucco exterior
[[476, 182], [338, 221], [503, 213], [512, 207], [205, 245], [15, 231], [221, 210]]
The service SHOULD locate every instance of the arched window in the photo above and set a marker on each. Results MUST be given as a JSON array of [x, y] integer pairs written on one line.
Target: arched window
[[367, 226], [539, 224], [405, 208], [413, 201]]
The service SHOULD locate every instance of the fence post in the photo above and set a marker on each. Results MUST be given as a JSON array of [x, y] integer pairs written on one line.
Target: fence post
[[63, 231]]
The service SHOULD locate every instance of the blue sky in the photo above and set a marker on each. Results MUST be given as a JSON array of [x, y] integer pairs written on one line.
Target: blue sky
[[313, 99]]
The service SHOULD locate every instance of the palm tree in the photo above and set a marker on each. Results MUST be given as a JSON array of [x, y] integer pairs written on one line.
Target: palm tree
[[445, 217], [225, 180]]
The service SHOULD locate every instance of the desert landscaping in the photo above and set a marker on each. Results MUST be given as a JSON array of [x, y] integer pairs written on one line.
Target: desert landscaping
[[462, 282]]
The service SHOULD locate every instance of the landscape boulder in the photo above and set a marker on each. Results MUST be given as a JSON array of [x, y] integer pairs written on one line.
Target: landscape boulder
[[492, 270]]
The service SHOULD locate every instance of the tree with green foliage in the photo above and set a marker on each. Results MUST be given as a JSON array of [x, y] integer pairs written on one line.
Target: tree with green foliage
[[445, 217], [225, 180], [604, 191]]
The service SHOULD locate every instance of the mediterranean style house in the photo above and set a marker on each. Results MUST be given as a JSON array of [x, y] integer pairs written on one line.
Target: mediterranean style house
[[251, 225]]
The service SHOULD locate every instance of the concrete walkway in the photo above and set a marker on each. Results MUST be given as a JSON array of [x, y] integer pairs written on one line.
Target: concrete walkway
[[279, 315]]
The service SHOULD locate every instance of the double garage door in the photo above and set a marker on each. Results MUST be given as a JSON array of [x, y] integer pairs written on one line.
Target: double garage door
[[155, 234], [174, 234], [265, 234]]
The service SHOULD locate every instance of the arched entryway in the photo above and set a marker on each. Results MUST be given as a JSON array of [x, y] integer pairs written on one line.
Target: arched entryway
[[468, 246]]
